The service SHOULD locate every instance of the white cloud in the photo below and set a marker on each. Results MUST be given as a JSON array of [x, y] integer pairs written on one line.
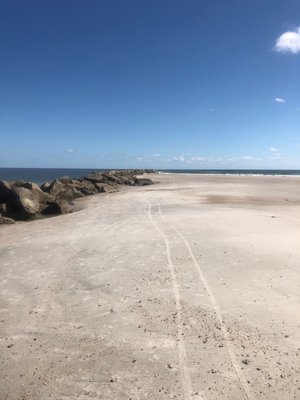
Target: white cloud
[[155, 155], [275, 154], [179, 158], [247, 158], [70, 150], [280, 100], [197, 158], [289, 42]]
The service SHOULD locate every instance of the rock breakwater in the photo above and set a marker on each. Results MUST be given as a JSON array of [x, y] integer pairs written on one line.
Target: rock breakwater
[[21, 201]]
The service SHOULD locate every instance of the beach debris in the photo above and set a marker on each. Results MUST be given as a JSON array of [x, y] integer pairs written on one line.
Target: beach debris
[[246, 361]]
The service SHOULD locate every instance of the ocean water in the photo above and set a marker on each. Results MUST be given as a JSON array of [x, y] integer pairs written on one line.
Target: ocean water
[[233, 171], [41, 175]]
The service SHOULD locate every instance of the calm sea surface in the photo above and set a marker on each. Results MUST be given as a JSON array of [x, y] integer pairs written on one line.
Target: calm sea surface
[[234, 171], [40, 175]]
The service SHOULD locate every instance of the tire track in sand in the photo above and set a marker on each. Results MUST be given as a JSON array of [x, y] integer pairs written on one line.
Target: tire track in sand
[[239, 373], [184, 373]]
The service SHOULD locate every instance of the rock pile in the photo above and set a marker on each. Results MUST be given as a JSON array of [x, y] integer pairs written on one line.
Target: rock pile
[[20, 200]]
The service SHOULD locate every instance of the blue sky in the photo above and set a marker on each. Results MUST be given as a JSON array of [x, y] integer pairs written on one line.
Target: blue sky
[[163, 84]]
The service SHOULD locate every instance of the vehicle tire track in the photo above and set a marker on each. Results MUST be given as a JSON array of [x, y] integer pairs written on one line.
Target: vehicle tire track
[[239, 373], [185, 376]]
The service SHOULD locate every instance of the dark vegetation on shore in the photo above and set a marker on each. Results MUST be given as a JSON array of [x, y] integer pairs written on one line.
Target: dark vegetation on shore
[[21, 201]]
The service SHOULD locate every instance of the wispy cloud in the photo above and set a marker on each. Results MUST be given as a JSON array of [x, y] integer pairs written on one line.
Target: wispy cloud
[[70, 150], [289, 42], [198, 158], [179, 158], [275, 154], [280, 100], [247, 158]]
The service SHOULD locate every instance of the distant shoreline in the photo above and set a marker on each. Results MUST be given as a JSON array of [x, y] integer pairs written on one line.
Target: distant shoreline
[[291, 175], [40, 175], [239, 172]]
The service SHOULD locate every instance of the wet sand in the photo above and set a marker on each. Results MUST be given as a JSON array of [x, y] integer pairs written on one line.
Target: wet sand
[[187, 289]]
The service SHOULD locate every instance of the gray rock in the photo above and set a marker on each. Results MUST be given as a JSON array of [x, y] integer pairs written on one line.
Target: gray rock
[[3, 209], [95, 177], [26, 201], [104, 187], [6, 220], [5, 191], [31, 186], [112, 178], [58, 207], [45, 186], [85, 187], [63, 191], [142, 181]]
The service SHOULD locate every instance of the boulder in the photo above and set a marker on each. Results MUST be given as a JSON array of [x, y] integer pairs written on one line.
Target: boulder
[[5, 191], [85, 187], [6, 220], [104, 187], [112, 178], [3, 209], [45, 186], [142, 181], [69, 194], [55, 187], [58, 207], [95, 177], [26, 201], [65, 179], [31, 186], [18, 183], [63, 191], [128, 181], [100, 187]]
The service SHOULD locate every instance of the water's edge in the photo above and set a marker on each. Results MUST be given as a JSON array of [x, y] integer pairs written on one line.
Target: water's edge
[[40, 175]]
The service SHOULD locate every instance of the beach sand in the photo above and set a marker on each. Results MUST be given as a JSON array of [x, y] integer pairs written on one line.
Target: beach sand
[[187, 289]]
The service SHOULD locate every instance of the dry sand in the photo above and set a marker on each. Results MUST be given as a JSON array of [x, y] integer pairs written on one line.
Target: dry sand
[[188, 289]]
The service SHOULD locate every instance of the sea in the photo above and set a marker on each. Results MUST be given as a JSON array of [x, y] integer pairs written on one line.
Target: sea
[[40, 175]]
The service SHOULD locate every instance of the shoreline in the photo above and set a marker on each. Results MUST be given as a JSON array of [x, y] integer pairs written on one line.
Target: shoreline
[[226, 174]]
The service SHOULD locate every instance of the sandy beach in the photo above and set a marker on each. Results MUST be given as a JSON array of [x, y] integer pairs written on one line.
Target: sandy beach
[[186, 289]]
